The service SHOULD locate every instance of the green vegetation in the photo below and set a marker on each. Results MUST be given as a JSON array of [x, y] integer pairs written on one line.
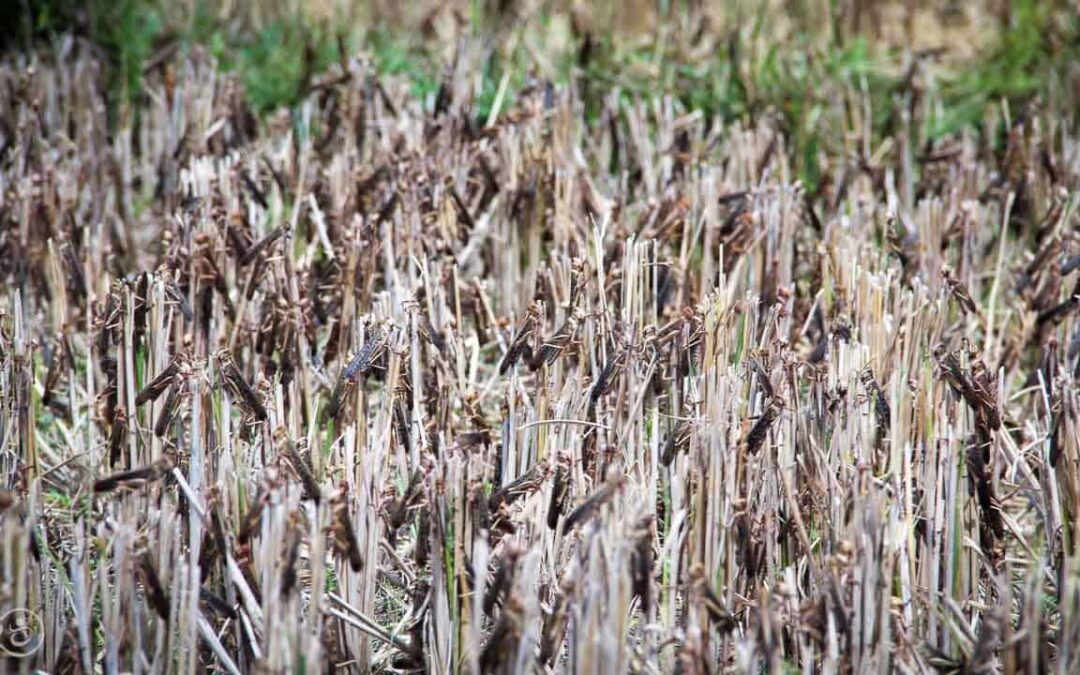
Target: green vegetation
[[1032, 52]]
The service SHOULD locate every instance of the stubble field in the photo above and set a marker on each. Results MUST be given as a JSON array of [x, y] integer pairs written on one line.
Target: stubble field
[[590, 381]]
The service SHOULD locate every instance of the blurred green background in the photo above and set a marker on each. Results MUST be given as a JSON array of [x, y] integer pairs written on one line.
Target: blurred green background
[[800, 59]]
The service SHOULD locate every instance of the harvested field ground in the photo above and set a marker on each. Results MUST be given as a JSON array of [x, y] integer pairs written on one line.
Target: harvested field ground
[[589, 383]]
